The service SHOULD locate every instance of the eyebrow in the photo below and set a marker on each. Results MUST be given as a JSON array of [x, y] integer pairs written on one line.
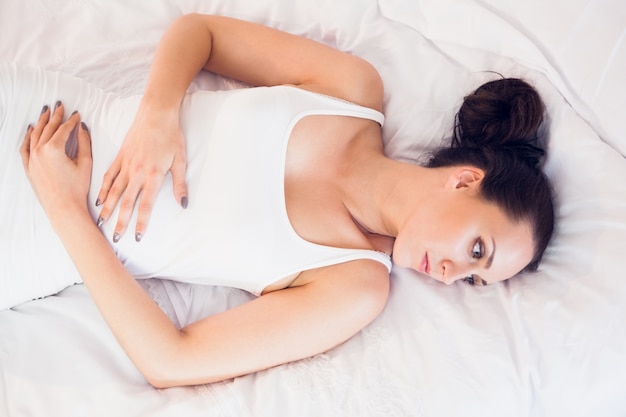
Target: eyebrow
[[493, 252], [489, 261]]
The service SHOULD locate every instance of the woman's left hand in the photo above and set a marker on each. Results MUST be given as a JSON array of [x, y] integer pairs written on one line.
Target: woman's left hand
[[57, 160]]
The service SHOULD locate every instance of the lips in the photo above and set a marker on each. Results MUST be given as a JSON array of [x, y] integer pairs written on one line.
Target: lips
[[425, 265]]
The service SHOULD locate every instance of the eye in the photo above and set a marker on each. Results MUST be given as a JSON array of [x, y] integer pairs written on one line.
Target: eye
[[478, 250], [471, 280]]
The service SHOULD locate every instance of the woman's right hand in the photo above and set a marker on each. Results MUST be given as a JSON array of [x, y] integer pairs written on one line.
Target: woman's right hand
[[154, 146], [57, 160]]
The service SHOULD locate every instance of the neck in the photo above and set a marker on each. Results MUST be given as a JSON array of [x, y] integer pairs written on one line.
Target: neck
[[380, 193]]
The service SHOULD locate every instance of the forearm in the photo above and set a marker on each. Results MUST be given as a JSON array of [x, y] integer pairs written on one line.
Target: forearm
[[257, 55], [61, 185], [182, 52], [147, 335]]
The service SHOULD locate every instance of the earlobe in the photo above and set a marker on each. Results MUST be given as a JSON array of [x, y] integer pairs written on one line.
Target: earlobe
[[465, 176]]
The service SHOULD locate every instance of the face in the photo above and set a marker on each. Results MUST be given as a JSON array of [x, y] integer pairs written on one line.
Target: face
[[457, 235]]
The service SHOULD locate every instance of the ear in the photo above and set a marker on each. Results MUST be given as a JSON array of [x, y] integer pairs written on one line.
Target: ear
[[465, 177]]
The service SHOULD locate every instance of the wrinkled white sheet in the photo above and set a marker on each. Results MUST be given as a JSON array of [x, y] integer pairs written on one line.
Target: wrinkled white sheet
[[548, 344]]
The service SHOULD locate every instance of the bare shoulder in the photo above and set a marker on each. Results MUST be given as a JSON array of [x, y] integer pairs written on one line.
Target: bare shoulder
[[354, 80], [360, 286], [365, 277]]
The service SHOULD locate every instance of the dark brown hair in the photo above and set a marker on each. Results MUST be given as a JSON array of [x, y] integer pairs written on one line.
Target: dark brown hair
[[497, 130]]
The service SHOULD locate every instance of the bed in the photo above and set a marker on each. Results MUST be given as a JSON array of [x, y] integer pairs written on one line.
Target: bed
[[551, 343]]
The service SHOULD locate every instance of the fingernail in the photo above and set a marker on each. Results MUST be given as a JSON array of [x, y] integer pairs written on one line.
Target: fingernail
[[184, 202], [84, 126], [74, 112], [57, 104], [116, 237], [138, 236], [71, 145], [98, 202], [45, 108], [100, 221]]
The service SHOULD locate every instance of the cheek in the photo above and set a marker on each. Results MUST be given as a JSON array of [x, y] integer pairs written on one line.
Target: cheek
[[445, 233], [414, 241]]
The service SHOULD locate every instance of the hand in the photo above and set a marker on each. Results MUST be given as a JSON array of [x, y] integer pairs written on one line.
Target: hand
[[153, 146], [57, 159]]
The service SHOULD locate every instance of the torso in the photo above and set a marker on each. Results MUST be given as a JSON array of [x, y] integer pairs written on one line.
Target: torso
[[246, 219]]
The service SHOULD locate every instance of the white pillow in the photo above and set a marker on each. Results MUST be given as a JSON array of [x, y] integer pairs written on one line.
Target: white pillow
[[35, 263]]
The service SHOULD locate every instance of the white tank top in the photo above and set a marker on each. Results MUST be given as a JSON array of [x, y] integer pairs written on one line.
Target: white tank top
[[235, 231]]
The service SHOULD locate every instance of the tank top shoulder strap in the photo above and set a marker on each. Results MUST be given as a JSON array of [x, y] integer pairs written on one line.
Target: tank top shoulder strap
[[317, 103]]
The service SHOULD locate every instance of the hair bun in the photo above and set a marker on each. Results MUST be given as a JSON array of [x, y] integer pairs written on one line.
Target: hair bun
[[502, 114]]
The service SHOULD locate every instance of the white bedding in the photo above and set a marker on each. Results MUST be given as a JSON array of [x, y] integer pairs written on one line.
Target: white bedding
[[547, 344]]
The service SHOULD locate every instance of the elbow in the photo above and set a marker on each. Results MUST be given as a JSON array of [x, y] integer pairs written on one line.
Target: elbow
[[158, 376], [159, 383], [162, 383], [174, 378], [169, 372], [163, 379], [179, 366], [162, 368]]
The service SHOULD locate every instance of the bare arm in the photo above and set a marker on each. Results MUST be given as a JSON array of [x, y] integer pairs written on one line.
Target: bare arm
[[246, 51], [279, 327], [334, 304], [257, 55]]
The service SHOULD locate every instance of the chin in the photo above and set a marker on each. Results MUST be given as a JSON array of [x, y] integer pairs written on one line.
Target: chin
[[402, 261]]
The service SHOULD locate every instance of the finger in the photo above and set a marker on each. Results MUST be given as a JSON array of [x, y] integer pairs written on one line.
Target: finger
[[127, 205], [84, 146], [146, 204], [71, 143], [108, 180], [178, 170], [55, 120], [39, 126], [65, 136], [25, 148], [113, 196], [84, 142]]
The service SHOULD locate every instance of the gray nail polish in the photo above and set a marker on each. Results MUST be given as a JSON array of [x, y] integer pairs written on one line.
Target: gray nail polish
[[43, 110], [138, 236], [84, 126], [98, 202], [184, 202], [116, 237], [71, 145], [100, 221], [58, 104]]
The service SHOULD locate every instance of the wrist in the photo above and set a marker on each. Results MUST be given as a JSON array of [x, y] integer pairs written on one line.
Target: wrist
[[158, 111], [152, 104], [161, 102], [70, 216]]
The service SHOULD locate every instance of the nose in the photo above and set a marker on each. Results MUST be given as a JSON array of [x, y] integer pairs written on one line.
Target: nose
[[454, 271]]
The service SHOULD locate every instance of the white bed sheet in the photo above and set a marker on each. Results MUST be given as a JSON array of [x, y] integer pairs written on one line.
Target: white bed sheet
[[548, 344]]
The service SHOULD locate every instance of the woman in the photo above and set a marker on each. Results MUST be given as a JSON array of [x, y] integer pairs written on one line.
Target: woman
[[320, 198]]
